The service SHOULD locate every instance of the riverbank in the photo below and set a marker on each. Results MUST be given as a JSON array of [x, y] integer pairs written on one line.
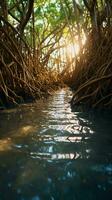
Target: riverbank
[[28, 97], [91, 78], [24, 75]]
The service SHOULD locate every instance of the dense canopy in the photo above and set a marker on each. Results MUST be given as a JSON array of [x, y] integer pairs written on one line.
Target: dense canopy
[[44, 44]]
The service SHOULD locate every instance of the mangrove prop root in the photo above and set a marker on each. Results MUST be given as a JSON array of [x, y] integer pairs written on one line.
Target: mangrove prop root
[[21, 77], [91, 78]]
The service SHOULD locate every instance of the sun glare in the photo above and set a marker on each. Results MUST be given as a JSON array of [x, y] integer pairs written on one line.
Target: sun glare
[[69, 51], [72, 50], [84, 39]]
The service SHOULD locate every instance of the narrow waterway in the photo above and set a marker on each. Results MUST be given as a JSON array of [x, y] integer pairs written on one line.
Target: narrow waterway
[[48, 152]]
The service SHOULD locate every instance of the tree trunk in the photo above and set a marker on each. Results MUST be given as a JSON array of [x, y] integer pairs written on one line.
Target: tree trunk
[[3, 9], [33, 32], [27, 15], [93, 11]]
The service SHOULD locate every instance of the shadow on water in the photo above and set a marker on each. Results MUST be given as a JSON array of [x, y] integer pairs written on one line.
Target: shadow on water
[[49, 152]]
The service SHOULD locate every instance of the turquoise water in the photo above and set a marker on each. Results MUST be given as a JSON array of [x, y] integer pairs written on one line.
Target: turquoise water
[[48, 152]]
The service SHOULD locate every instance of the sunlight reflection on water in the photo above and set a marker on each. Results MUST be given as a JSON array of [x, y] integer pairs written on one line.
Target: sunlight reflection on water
[[48, 152]]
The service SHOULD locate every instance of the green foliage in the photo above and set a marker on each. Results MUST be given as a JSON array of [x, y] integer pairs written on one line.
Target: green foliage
[[39, 31]]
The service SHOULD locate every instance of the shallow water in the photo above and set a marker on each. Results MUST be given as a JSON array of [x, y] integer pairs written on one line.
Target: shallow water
[[48, 152]]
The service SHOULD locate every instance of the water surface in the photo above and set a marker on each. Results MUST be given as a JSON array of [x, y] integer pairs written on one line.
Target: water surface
[[48, 152]]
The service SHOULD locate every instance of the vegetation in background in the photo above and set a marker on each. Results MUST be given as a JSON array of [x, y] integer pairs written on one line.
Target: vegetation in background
[[92, 77], [46, 43], [28, 34]]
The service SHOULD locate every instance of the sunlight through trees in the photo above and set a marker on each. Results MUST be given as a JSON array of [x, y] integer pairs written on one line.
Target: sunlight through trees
[[45, 42]]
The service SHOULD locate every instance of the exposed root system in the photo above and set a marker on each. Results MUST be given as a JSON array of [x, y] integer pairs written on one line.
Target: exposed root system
[[92, 78], [21, 77]]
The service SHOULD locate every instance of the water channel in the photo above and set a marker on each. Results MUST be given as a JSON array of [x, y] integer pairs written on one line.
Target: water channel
[[49, 152]]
